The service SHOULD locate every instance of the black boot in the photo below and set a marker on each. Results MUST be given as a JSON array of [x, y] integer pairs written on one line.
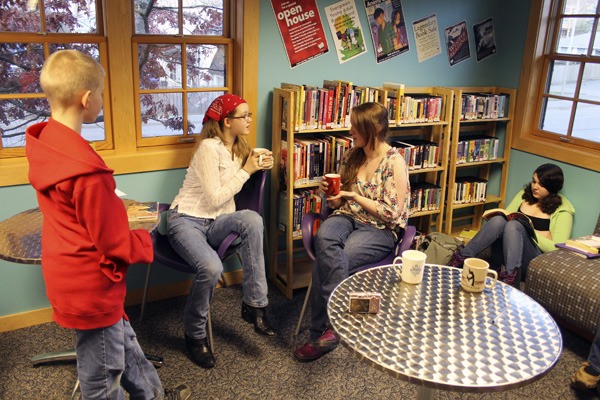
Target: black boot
[[258, 317], [200, 351]]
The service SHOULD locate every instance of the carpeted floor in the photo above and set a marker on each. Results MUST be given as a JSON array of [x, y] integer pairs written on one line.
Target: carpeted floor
[[249, 366]]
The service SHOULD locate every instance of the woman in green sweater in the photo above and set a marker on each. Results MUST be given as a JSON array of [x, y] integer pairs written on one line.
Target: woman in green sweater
[[552, 217]]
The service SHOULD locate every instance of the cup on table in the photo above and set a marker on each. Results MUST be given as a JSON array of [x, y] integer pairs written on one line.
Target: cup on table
[[474, 275], [413, 264], [333, 182], [260, 151]]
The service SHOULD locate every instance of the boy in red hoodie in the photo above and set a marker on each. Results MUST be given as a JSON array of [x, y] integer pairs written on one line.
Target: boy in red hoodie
[[86, 242]]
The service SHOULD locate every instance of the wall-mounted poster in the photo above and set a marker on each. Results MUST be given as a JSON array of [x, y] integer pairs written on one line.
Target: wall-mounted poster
[[301, 29], [388, 28], [427, 38], [485, 41], [457, 42], [346, 30]]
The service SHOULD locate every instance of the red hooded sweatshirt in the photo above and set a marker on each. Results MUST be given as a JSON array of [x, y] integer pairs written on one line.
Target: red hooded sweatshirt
[[86, 242]]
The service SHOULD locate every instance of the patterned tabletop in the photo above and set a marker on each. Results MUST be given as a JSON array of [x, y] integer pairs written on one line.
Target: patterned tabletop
[[21, 235], [436, 335]]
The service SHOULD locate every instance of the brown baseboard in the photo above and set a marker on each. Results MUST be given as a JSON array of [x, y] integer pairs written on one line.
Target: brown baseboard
[[44, 315]]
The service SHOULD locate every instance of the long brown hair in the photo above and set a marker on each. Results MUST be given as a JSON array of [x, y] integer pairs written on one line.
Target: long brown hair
[[212, 128], [370, 120]]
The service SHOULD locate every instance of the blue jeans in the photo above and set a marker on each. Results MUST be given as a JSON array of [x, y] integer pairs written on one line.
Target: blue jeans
[[111, 357], [195, 240], [594, 356], [342, 245], [510, 244]]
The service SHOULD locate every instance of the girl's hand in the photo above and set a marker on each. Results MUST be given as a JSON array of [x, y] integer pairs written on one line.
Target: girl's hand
[[251, 165], [267, 160], [343, 195]]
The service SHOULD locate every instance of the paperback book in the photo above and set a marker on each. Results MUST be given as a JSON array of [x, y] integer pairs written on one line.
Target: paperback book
[[514, 216], [589, 243]]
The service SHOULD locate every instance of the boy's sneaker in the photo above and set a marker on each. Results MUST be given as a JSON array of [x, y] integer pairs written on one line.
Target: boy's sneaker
[[179, 392], [586, 378]]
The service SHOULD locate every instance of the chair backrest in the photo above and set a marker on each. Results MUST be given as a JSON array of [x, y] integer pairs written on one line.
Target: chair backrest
[[251, 195]]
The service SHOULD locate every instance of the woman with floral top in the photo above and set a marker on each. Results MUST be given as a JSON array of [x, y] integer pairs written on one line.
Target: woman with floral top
[[369, 217]]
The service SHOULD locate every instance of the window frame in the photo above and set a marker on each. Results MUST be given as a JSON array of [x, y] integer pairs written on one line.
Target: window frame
[[126, 156], [527, 136]]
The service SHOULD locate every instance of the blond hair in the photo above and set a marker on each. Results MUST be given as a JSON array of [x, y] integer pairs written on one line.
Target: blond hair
[[67, 75], [371, 122], [212, 128]]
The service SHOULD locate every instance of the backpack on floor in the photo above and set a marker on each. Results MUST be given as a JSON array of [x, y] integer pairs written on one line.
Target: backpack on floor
[[439, 247]]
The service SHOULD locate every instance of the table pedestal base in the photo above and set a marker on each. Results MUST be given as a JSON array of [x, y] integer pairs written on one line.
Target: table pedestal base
[[425, 393]]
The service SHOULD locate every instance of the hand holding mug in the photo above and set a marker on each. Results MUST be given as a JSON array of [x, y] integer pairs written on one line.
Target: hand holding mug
[[265, 157], [333, 182]]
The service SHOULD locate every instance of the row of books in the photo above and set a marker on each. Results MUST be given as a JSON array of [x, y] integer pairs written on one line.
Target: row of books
[[313, 157], [483, 106], [305, 200], [413, 109], [477, 148], [326, 107], [469, 189], [424, 196], [419, 153]]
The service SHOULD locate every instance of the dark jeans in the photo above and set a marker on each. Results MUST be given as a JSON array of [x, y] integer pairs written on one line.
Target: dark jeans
[[342, 245]]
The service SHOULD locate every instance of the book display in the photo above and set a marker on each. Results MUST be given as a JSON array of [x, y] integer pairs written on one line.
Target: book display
[[479, 149], [310, 137]]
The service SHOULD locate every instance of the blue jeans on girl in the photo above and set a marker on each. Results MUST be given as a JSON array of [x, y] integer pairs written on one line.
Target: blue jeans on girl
[[195, 240], [342, 245], [509, 243], [109, 360]]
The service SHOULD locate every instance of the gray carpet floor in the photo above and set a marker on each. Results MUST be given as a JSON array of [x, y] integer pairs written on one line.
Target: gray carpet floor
[[249, 366]]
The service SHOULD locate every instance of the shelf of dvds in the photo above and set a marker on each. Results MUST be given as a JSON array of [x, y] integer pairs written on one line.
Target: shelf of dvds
[[479, 147], [310, 135]]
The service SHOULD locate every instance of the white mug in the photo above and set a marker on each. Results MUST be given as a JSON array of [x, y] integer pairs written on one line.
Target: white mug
[[260, 151], [413, 264], [474, 275]]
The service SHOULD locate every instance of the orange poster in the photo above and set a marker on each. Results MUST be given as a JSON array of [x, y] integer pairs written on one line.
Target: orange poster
[[301, 29]]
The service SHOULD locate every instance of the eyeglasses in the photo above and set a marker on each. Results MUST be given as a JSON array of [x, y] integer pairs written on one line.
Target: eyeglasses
[[246, 116]]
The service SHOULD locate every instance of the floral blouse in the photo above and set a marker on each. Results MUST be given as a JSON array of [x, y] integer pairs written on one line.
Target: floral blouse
[[393, 212]]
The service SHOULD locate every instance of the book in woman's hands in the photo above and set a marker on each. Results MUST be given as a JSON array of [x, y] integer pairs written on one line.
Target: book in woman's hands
[[510, 216]]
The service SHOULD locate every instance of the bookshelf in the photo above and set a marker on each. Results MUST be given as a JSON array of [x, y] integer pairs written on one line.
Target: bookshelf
[[289, 267], [479, 147]]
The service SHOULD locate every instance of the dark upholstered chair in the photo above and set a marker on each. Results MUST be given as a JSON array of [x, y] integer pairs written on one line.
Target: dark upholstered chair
[[568, 286], [308, 224], [250, 197]]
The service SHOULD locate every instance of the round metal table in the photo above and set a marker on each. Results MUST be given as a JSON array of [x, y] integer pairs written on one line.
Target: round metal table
[[438, 336]]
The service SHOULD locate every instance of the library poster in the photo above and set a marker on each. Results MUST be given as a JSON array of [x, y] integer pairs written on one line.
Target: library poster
[[346, 30], [301, 29], [388, 28], [457, 43], [485, 41], [427, 38]]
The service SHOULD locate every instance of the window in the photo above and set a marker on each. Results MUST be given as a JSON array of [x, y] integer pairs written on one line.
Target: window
[[558, 105], [165, 62]]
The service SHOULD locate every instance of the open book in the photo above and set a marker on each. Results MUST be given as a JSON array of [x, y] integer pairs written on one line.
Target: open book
[[589, 243], [142, 211], [517, 216]]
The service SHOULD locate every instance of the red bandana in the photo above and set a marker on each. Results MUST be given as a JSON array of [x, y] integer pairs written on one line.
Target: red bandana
[[222, 106]]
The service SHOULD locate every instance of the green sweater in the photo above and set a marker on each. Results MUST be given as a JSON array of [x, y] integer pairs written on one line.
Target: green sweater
[[561, 222]]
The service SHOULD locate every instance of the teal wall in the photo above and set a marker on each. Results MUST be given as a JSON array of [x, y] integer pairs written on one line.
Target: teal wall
[[22, 287]]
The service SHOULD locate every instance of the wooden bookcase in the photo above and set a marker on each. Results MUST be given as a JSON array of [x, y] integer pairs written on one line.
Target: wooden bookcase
[[289, 267], [491, 127]]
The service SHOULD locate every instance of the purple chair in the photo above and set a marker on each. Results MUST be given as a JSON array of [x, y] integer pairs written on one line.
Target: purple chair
[[250, 197], [308, 223]]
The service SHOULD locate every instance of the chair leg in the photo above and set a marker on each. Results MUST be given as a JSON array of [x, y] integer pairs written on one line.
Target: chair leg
[[76, 393], [209, 332], [303, 308], [145, 294]]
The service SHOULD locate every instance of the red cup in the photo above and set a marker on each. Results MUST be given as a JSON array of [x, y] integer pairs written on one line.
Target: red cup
[[333, 182]]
